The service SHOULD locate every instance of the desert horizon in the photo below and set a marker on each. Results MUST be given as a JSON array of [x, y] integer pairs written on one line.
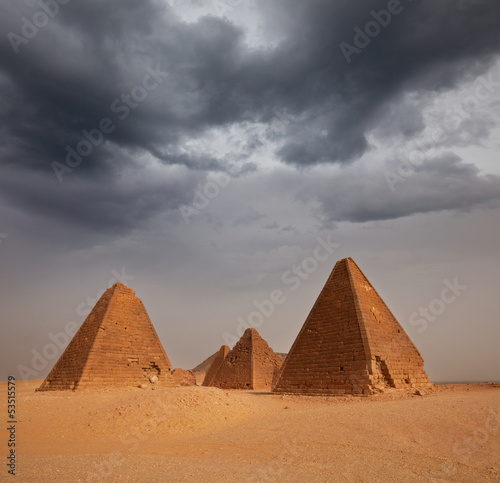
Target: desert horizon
[[207, 434]]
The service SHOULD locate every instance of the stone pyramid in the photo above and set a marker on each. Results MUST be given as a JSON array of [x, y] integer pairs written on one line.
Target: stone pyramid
[[117, 345], [215, 366], [350, 343], [251, 364]]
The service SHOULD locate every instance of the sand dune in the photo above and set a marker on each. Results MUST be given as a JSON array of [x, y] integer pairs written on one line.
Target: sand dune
[[208, 434]]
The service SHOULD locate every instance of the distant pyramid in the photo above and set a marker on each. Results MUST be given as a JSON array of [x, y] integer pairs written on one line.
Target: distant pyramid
[[216, 364], [351, 343], [251, 364], [200, 371], [117, 345]]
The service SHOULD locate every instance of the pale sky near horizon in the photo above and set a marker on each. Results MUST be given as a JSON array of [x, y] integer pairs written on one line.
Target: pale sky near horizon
[[197, 150]]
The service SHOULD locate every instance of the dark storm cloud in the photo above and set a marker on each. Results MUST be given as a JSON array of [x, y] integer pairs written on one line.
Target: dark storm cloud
[[107, 206], [91, 53], [444, 182], [428, 47], [68, 77], [72, 75], [75, 71]]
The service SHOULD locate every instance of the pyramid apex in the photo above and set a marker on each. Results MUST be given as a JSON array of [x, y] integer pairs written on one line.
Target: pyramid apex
[[347, 262], [119, 284], [250, 332], [121, 287]]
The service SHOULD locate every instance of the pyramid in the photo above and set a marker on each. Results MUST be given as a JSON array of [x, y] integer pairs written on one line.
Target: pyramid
[[117, 345], [215, 366], [251, 364], [350, 343], [200, 371]]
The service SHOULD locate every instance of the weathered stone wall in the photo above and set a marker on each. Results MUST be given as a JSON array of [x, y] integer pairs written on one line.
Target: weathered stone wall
[[328, 356], [266, 363], [394, 359], [216, 364], [68, 370], [235, 371], [251, 364]]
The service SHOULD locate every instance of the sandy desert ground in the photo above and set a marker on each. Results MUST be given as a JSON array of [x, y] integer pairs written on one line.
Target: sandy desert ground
[[207, 434]]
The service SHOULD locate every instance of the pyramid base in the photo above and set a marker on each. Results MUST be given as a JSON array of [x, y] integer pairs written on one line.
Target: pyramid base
[[173, 378], [360, 391]]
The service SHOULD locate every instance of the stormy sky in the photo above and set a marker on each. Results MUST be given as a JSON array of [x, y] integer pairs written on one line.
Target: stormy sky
[[202, 150]]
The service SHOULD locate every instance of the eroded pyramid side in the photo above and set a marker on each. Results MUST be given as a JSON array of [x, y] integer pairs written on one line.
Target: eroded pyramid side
[[68, 370], [251, 364], [216, 364], [394, 359], [329, 355], [266, 363], [235, 371]]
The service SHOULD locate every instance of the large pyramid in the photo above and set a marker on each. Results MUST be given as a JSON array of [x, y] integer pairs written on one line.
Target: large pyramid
[[350, 343], [251, 364], [117, 345], [216, 364]]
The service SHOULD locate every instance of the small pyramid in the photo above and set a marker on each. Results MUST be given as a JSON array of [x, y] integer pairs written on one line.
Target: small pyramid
[[215, 366], [350, 343], [200, 371], [251, 364], [117, 345]]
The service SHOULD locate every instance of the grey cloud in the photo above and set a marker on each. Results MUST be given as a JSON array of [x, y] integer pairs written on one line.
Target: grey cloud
[[249, 217], [59, 90], [108, 207], [67, 77], [444, 182], [401, 118], [271, 226], [429, 47]]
